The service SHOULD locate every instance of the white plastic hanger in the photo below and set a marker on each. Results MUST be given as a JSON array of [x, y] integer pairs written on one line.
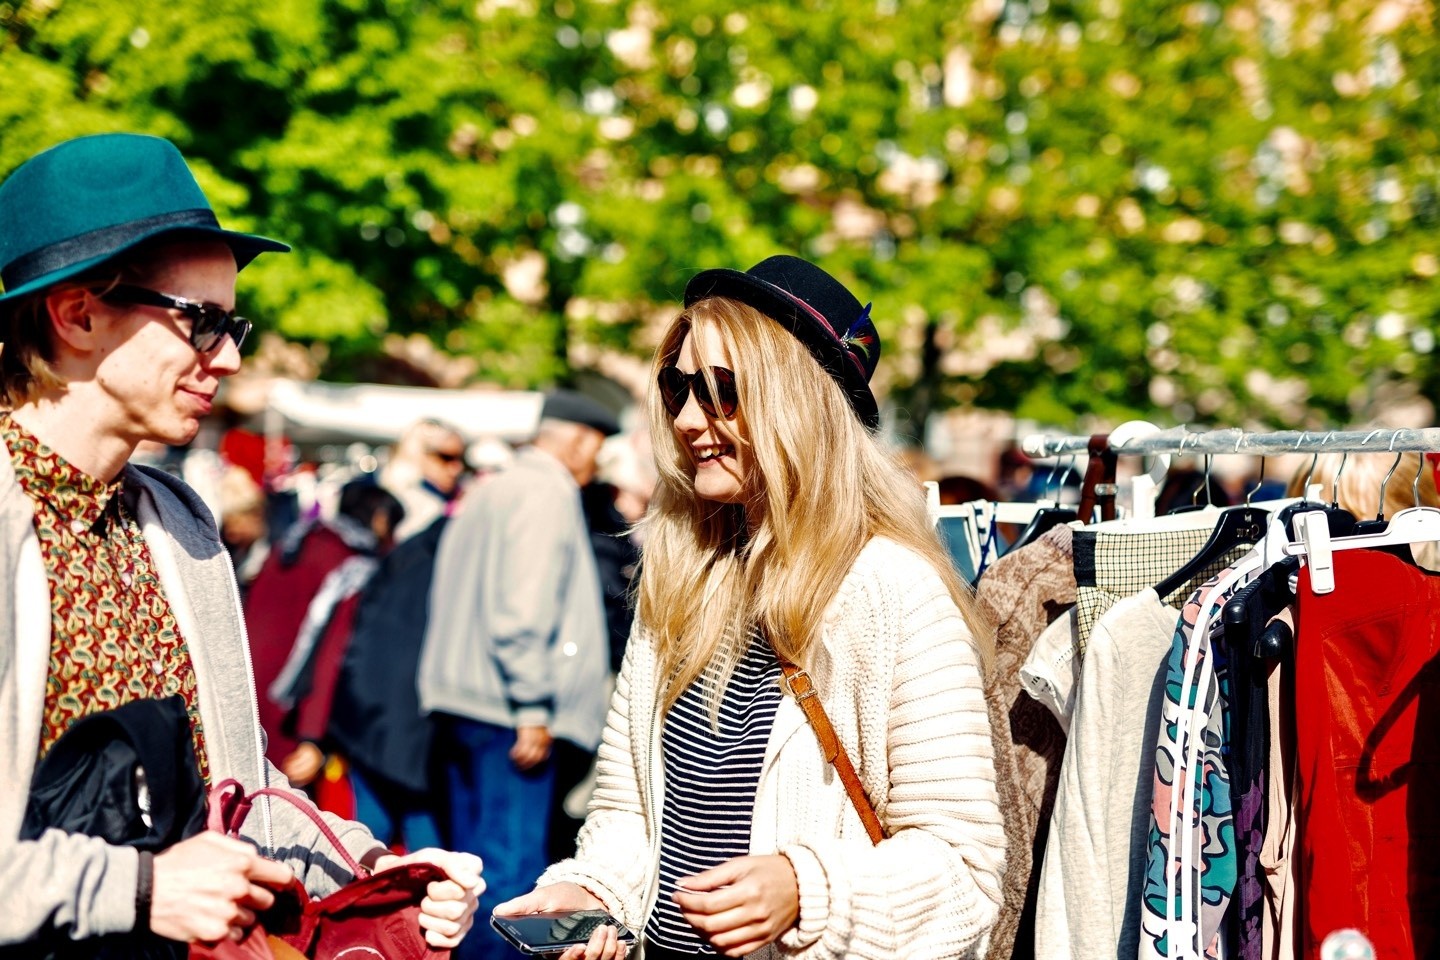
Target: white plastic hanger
[[1415, 524], [1411, 525], [979, 512], [966, 514], [1144, 487]]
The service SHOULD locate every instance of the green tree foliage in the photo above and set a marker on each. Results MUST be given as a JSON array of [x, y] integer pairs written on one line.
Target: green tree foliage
[[1191, 211]]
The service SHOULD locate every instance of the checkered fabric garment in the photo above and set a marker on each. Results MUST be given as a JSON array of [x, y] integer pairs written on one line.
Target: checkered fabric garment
[[1113, 565]]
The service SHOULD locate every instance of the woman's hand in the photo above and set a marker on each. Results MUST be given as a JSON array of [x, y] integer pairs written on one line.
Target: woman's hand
[[743, 904], [604, 944], [448, 910]]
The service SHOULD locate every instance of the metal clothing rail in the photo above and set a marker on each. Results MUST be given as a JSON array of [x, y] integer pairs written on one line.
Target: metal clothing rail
[[1234, 441]]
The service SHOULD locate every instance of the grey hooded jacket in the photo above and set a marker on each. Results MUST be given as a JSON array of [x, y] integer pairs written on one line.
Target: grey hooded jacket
[[79, 883], [517, 633]]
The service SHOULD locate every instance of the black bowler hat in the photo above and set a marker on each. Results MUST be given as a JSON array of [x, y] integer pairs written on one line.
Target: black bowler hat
[[817, 309], [88, 200], [577, 408]]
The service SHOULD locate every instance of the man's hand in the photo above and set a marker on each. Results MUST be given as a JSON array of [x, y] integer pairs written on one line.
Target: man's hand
[[743, 904], [532, 747], [209, 887], [303, 764], [448, 910]]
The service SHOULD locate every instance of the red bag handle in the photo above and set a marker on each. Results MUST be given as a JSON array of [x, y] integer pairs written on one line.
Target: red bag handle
[[230, 805]]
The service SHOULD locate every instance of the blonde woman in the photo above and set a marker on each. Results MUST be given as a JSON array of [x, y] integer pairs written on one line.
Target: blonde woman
[[781, 530]]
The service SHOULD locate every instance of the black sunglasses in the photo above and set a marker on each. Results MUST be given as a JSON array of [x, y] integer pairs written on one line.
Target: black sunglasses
[[209, 324], [675, 387]]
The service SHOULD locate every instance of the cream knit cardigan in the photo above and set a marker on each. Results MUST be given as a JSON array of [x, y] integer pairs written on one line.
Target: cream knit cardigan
[[900, 680]]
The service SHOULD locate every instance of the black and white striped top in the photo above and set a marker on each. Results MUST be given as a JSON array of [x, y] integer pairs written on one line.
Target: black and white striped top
[[710, 783]]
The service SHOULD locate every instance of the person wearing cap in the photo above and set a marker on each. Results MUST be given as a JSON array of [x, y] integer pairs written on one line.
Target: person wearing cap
[[425, 473], [783, 535], [516, 652], [118, 324]]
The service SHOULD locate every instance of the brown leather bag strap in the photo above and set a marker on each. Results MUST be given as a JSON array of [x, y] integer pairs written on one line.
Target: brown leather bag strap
[[1099, 485], [808, 697]]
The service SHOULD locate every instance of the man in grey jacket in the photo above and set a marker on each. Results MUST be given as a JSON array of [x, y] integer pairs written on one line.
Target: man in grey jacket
[[516, 653], [117, 325]]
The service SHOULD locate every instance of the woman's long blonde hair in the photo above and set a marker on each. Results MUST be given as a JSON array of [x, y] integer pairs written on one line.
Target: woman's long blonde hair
[[820, 488]]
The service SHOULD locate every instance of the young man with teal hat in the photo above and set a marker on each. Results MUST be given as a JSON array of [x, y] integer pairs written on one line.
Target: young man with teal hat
[[118, 323]]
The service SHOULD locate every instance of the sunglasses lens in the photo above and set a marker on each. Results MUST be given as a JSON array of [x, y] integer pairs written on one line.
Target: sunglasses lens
[[702, 393], [207, 326], [239, 330], [727, 400], [213, 325], [674, 387]]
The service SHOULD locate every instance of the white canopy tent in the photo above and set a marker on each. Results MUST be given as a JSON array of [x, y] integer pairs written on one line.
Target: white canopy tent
[[317, 412]]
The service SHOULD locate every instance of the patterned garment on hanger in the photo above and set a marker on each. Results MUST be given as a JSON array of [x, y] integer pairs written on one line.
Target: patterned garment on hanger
[[1199, 710], [1119, 559]]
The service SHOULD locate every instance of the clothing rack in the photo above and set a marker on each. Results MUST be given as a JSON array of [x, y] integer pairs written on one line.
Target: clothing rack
[[1237, 442]]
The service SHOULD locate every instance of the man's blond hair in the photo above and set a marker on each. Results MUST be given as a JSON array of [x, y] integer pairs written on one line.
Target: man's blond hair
[[27, 354]]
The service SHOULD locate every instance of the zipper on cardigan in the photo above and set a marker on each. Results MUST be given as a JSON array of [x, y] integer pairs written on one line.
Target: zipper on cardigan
[[264, 773]]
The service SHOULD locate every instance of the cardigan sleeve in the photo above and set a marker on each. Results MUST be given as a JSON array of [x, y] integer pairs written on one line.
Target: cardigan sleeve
[[612, 858], [932, 887], [67, 882]]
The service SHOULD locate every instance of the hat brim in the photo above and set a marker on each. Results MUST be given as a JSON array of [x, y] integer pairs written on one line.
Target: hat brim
[[792, 313], [245, 246]]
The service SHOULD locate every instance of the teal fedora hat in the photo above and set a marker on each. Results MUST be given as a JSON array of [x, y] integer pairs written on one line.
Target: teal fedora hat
[[87, 200]]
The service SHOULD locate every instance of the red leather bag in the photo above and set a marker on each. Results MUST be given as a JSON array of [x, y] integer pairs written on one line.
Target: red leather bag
[[374, 917]]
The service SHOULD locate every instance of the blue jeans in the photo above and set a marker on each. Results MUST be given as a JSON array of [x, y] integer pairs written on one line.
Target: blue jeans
[[394, 815], [497, 812]]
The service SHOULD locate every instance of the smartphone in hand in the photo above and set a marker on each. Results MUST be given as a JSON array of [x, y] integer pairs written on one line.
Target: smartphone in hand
[[543, 934]]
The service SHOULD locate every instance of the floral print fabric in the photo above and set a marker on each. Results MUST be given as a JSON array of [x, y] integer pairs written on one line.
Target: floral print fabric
[[113, 636]]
